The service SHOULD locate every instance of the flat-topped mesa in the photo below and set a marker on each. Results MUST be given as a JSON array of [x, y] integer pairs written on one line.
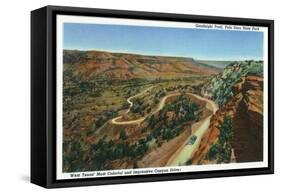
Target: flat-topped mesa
[[123, 66]]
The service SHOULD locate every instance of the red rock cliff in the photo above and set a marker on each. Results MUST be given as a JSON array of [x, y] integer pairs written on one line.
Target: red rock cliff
[[246, 110]]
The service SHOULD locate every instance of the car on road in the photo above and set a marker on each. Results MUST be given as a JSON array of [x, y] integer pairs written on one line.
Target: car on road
[[191, 140]]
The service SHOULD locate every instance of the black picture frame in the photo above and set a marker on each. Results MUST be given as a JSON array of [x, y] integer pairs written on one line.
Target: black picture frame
[[43, 95]]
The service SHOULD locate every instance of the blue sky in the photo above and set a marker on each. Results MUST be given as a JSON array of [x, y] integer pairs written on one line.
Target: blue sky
[[183, 42]]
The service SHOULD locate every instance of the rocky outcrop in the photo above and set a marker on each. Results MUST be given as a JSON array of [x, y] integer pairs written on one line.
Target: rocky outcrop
[[245, 107], [220, 87], [248, 122]]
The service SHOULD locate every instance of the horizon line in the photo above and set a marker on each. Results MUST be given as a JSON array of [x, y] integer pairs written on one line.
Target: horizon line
[[162, 55]]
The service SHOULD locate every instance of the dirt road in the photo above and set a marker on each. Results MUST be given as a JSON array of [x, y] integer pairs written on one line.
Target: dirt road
[[185, 152], [138, 121]]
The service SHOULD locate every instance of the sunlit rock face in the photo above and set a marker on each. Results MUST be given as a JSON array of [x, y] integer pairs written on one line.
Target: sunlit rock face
[[239, 92]]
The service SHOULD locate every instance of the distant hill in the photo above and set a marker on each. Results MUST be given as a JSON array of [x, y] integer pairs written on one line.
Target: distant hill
[[218, 64], [90, 64]]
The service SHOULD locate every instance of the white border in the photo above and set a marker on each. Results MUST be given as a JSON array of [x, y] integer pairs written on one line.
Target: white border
[[61, 19]]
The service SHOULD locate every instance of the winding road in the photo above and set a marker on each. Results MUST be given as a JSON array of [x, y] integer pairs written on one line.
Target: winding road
[[138, 121], [114, 120], [185, 151]]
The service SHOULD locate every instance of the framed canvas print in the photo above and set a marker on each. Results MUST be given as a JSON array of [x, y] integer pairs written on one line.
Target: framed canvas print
[[125, 96]]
